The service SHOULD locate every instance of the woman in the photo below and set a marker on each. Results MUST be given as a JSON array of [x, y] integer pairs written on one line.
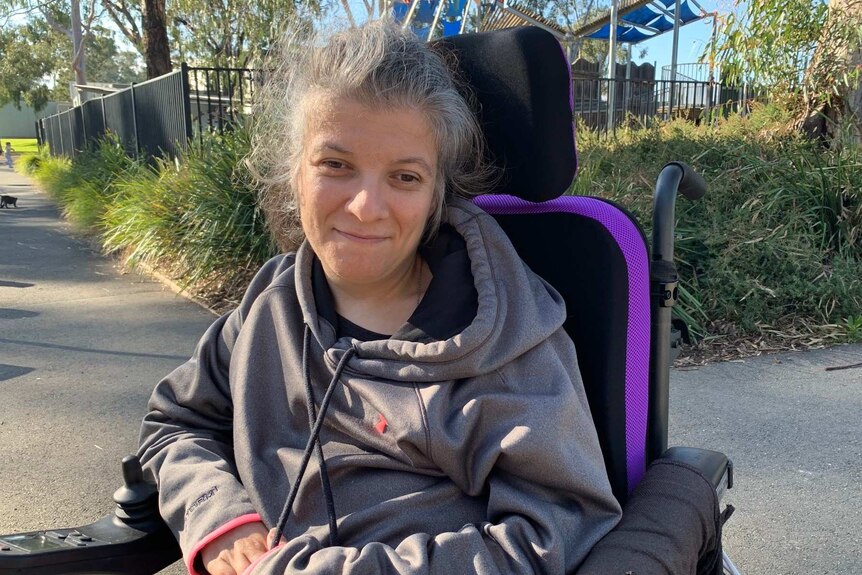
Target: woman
[[404, 353]]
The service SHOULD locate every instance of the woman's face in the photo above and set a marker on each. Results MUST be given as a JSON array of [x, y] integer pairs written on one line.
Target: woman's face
[[365, 189]]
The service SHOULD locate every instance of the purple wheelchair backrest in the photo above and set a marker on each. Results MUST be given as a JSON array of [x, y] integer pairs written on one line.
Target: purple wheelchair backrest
[[629, 238]]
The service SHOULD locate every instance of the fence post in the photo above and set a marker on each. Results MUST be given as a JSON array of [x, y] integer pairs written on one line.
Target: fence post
[[84, 127], [135, 122], [69, 114], [104, 118], [187, 104]]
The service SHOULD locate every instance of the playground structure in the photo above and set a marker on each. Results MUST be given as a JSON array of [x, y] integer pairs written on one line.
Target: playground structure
[[602, 102]]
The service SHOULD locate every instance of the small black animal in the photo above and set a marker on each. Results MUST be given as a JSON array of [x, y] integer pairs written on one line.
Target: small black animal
[[6, 201]]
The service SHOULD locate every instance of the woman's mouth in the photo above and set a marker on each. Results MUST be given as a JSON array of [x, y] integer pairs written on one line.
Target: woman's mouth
[[361, 237]]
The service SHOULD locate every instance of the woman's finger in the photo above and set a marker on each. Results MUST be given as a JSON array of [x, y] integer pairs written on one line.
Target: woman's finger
[[220, 567]]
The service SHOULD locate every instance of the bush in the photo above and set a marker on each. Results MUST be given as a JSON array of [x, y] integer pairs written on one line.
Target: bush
[[83, 186], [199, 217], [777, 240], [29, 163]]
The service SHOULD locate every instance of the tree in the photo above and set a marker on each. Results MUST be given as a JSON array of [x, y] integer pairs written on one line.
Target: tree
[[23, 66], [142, 24], [157, 51], [808, 49], [833, 79], [36, 63], [231, 33]]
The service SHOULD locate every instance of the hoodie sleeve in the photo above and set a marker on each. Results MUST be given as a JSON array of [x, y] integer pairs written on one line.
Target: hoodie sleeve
[[522, 437], [186, 439]]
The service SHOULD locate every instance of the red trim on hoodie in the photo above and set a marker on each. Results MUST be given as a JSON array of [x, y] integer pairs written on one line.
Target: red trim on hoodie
[[248, 570]]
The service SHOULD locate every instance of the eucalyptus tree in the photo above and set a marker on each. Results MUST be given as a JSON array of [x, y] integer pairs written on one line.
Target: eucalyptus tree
[[233, 33], [36, 60], [808, 49]]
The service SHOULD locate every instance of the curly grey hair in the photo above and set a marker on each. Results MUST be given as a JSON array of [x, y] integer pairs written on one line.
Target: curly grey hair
[[378, 65]]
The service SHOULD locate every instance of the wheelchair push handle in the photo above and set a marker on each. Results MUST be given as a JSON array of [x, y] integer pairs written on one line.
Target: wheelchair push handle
[[675, 177], [692, 185]]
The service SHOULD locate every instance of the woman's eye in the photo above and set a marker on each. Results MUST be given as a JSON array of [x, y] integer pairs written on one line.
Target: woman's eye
[[334, 164], [407, 178]]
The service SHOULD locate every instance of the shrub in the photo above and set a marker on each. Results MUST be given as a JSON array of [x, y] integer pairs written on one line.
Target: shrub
[[198, 216], [29, 163], [777, 240]]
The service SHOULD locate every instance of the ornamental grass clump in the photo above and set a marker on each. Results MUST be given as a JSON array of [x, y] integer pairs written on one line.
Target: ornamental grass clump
[[84, 186], [196, 218], [774, 250]]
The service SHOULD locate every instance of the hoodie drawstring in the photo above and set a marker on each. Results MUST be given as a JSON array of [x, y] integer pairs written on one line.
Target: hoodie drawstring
[[310, 446], [321, 462]]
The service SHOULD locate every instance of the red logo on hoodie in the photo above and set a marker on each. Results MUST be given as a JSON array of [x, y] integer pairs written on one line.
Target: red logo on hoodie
[[381, 424]]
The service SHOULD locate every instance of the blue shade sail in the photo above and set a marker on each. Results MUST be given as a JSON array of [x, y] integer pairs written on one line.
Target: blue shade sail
[[649, 21], [450, 18]]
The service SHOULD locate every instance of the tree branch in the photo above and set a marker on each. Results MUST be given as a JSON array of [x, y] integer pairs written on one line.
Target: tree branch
[[127, 24], [54, 24]]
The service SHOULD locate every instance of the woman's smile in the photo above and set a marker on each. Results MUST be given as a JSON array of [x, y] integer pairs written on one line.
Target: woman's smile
[[361, 237]]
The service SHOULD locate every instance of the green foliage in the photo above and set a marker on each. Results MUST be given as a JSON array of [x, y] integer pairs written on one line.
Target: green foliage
[[208, 33], [53, 174], [30, 163], [202, 217], [35, 61], [777, 240], [84, 186], [771, 41], [24, 63], [776, 244], [197, 219], [854, 327], [792, 46]]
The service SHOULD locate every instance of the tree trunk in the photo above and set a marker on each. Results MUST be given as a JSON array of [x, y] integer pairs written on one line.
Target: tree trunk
[[833, 79], [157, 52], [79, 57]]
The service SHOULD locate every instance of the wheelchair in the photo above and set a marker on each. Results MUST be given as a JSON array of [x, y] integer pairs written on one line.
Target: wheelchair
[[618, 293]]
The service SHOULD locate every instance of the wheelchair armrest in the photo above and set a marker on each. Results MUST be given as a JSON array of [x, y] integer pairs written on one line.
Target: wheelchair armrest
[[671, 522], [134, 540], [715, 466], [107, 546]]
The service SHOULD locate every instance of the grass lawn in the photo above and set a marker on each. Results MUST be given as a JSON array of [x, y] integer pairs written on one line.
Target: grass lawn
[[21, 145]]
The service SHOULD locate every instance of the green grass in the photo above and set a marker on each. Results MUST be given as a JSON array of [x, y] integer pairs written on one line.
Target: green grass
[[21, 145]]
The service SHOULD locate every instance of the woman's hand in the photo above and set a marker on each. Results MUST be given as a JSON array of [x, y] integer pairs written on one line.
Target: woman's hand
[[232, 552]]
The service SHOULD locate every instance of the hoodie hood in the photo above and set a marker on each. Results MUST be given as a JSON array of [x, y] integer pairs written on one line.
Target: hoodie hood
[[517, 310]]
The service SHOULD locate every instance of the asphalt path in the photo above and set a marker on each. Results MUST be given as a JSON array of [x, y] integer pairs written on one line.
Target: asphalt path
[[794, 432], [82, 344]]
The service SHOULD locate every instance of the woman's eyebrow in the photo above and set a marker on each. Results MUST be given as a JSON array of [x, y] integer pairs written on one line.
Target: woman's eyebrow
[[330, 146], [416, 160]]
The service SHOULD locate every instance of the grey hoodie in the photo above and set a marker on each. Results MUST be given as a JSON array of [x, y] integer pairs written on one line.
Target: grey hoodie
[[475, 454]]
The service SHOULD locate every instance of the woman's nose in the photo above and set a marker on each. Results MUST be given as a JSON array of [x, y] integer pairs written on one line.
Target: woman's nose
[[369, 203]]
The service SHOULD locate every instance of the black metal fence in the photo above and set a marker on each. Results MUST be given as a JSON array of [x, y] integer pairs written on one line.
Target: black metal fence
[[218, 97], [642, 102], [159, 117], [156, 118]]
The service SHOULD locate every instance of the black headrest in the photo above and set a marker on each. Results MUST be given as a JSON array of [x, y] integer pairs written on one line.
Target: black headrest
[[521, 81]]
